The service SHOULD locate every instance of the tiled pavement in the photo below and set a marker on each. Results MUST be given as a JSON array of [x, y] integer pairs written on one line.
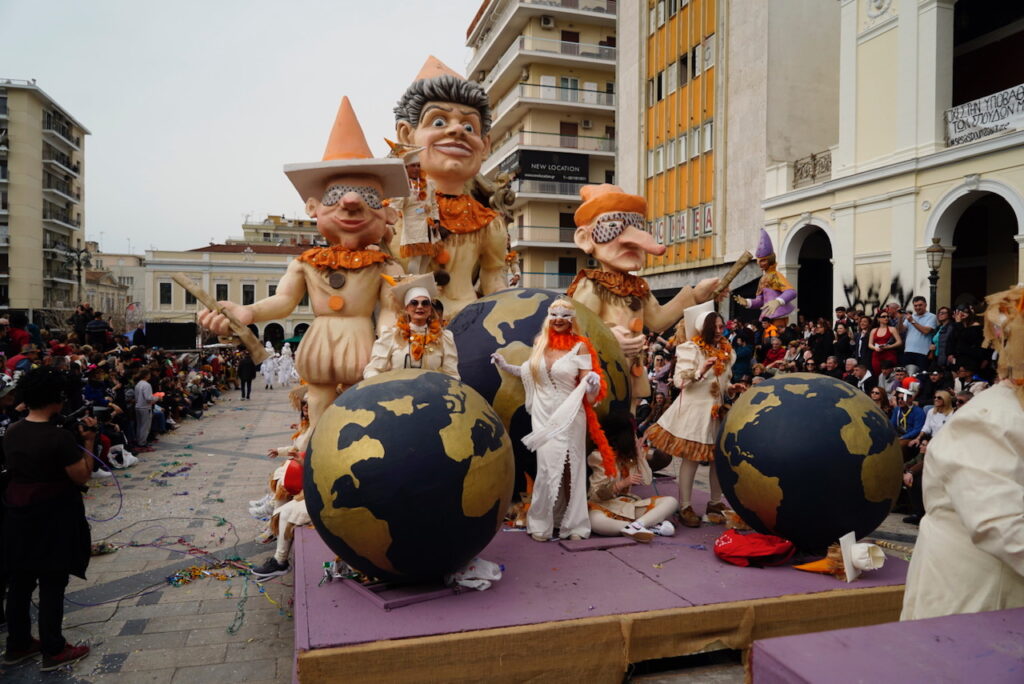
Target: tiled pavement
[[211, 631], [165, 634]]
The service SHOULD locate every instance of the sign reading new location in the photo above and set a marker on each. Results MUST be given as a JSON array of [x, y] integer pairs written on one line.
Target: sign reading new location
[[549, 166], [989, 115]]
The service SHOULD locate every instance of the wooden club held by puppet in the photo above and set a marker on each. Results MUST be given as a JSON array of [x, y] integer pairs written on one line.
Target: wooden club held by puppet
[[256, 350]]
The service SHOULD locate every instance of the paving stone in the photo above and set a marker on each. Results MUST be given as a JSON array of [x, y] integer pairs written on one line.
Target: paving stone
[[175, 623], [250, 671], [135, 677], [259, 648], [144, 642], [135, 626], [160, 658], [111, 662]]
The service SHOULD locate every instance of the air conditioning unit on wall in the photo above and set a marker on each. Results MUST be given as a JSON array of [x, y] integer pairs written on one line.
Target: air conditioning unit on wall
[[547, 21], [586, 123]]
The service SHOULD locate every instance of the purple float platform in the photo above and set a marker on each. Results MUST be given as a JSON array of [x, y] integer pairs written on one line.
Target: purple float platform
[[573, 611], [982, 647]]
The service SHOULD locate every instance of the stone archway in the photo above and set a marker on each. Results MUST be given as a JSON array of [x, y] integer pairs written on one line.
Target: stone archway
[[980, 223], [273, 333], [807, 254]]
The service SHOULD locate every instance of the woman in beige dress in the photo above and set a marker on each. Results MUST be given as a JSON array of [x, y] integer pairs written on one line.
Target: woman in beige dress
[[689, 427]]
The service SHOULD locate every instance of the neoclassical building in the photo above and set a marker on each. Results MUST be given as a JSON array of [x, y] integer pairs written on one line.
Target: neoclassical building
[[929, 147]]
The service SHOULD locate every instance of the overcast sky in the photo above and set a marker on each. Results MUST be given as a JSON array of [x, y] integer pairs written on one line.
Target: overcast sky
[[195, 105]]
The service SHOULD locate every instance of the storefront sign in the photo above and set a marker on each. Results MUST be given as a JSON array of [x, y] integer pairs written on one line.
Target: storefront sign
[[989, 115], [548, 166]]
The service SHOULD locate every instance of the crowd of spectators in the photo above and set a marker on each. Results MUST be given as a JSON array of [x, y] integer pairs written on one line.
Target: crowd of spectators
[[918, 367], [135, 392]]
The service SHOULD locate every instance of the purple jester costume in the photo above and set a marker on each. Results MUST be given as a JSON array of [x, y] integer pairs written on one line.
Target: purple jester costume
[[775, 296]]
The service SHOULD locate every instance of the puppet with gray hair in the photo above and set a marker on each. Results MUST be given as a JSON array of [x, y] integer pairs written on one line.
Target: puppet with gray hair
[[447, 120]]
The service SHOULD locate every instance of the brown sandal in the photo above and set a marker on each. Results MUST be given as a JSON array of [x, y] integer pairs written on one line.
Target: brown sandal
[[688, 517]]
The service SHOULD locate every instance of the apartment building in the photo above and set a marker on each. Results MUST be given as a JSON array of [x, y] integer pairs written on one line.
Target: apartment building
[[278, 230], [549, 69], [42, 208]]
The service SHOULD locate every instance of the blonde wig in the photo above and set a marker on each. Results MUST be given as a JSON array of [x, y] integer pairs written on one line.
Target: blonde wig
[[540, 344]]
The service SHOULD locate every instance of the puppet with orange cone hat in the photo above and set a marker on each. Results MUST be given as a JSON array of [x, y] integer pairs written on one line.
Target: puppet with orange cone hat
[[610, 228], [449, 119], [346, 194]]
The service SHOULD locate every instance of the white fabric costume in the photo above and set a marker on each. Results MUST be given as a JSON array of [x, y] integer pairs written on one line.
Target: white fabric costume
[[969, 555], [559, 437], [285, 366], [269, 370]]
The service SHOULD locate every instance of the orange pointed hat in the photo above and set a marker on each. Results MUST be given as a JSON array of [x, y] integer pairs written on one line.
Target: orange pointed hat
[[347, 153], [434, 67]]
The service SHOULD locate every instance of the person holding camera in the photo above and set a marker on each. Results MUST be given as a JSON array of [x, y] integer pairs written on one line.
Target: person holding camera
[[46, 536]]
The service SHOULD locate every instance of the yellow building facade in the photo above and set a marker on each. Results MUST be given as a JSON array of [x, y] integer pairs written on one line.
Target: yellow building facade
[[929, 150], [42, 206], [549, 70]]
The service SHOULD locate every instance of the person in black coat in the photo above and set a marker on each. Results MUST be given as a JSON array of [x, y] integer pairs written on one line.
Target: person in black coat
[[246, 373], [139, 336]]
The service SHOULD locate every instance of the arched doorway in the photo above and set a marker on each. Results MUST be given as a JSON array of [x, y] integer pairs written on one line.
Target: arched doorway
[[814, 276], [254, 329], [985, 256], [301, 329], [274, 334]]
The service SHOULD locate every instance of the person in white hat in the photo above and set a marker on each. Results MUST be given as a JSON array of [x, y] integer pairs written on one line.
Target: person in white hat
[[346, 193], [418, 339], [704, 360]]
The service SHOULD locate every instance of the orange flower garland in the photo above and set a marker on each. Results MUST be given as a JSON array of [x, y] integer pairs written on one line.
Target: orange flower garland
[[719, 353], [419, 342], [336, 256], [462, 214]]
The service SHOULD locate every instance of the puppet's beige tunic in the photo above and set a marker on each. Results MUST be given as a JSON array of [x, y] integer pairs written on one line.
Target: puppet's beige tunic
[[969, 555]]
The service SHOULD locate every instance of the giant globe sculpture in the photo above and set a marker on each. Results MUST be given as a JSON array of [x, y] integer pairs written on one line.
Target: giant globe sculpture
[[507, 322], [809, 458], [408, 475]]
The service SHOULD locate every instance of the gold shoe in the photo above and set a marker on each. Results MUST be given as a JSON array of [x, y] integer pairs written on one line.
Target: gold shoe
[[716, 513], [688, 517]]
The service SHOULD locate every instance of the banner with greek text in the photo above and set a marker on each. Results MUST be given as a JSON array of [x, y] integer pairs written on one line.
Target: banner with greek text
[[989, 115]]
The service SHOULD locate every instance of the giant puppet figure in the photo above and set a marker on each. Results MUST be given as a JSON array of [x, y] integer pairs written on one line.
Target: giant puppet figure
[[610, 228], [346, 195], [774, 293], [449, 118]]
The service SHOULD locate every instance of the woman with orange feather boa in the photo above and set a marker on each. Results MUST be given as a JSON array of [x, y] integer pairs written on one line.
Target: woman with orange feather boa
[[563, 382]]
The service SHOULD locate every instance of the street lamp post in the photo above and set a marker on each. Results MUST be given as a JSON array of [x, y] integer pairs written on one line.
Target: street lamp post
[[77, 257], [934, 254]]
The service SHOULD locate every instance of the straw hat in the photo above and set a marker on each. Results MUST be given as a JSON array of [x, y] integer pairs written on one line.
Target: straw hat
[[415, 286], [347, 153]]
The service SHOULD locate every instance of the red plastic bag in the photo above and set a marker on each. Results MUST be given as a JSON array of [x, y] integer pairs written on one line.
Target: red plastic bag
[[753, 548]]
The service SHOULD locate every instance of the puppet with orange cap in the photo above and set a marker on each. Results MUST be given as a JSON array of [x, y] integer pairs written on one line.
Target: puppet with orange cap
[[345, 193], [610, 228], [448, 120]]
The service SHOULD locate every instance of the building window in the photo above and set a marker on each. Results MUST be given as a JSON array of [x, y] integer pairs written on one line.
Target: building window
[[659, 159], [709, 52], [670, 77], [189, 298], [661, 12], [650, 163], [271, 290], [660, 80], [684, 69], [248, 293], [650, 92], [222, 292], [609, 176], [682, 148], [695, 61], [709, 136], [609, 87], [670, 154], [165, 294], [694, 143], [651, 22]]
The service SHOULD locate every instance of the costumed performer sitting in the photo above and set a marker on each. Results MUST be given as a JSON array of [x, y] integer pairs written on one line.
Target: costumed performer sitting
[[449, 118], [611, 229], [563, 380], [690, 425], [614, 509], [969, 555], [774, 293], [418, 339], [288, 500], [346, 194]]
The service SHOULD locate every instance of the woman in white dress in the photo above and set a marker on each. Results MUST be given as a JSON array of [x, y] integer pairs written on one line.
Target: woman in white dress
[[418, 339], [690, 425], [285, 366], [562, 381]]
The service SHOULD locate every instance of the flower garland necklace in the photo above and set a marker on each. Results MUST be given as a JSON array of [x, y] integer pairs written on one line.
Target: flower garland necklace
[[720, 352], [419, 341]]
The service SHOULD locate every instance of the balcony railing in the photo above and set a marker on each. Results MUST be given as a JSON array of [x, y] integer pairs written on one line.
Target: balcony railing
[[597, 6], [63, 217], [551, 93], [550, 281], [60, 127], [542, 234], [584, 143], [62, 160], [540, 187], [812, 169], [604, 53]]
